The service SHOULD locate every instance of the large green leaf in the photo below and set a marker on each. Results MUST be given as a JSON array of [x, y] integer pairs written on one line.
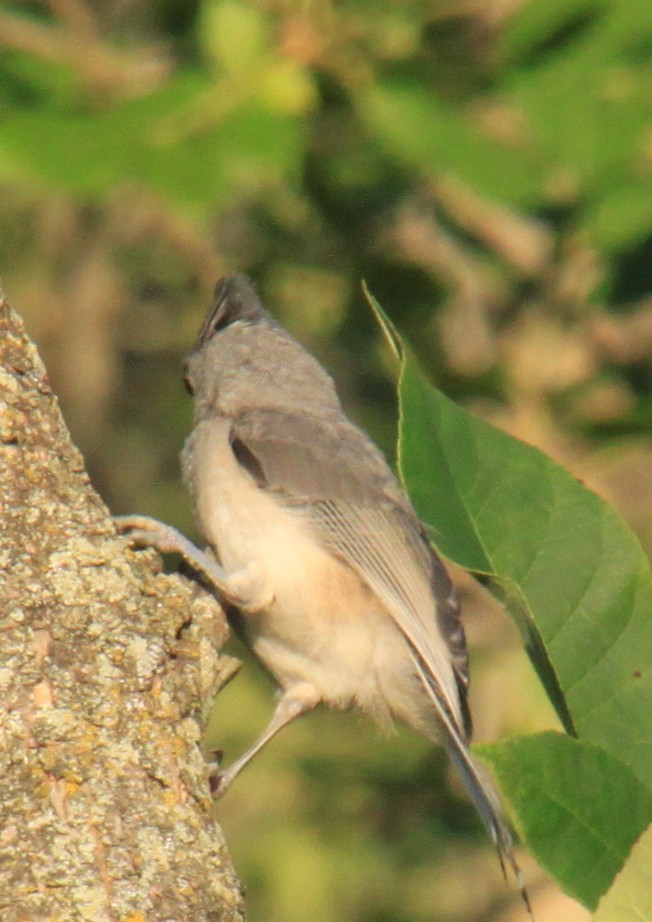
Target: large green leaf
[[574, 576], [579, 809], [578, 584], [630, 898]]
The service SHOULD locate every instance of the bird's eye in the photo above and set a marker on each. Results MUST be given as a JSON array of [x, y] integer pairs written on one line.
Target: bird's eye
[[187, 380]]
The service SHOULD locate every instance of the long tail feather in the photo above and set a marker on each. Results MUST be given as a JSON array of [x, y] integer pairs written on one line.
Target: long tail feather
[[476, 781], [487, 804]]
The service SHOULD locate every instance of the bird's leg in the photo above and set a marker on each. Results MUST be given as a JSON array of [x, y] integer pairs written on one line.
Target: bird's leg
[[245, 588], [296, 700]]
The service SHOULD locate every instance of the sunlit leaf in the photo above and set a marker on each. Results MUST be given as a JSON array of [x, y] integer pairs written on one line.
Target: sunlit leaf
[[621, 217], [578, 808], [578, 585], [630, 897], [574, 576], [233, 34]]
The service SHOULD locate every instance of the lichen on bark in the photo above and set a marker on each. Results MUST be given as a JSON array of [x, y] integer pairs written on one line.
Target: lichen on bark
[[107, 669]]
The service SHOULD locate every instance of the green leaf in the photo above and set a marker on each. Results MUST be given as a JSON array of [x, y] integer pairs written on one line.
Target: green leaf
[[621, 218], [574, 576], [630, 897], [585, 116], [584, 96], [417, 128], [234, 34], [147, 143], [579, 808], [533, 25]]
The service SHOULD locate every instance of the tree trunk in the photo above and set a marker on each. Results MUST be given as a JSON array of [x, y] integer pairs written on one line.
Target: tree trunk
[[107, 669]]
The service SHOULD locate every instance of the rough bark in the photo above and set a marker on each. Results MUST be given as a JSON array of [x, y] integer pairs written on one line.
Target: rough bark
[[107, 667]]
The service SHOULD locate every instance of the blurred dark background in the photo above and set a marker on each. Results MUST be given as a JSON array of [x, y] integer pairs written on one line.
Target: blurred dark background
[[486, 167]]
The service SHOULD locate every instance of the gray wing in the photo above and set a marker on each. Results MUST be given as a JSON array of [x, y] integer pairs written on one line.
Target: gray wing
[[331, 471], [334, 473]]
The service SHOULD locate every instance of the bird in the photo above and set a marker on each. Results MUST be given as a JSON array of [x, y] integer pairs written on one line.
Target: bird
[[315, 547]]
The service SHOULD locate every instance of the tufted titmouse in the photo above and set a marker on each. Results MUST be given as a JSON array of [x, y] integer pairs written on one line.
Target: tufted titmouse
[[312, 539]]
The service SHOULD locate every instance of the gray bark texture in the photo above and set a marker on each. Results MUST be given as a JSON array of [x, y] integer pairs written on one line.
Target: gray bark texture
[[107, 669]]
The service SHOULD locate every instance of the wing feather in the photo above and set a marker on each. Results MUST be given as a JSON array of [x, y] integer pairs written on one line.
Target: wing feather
[[331, 471], [342, 483]]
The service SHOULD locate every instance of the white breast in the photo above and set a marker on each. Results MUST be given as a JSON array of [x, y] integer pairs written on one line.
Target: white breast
[[241, 521], [324, 624]]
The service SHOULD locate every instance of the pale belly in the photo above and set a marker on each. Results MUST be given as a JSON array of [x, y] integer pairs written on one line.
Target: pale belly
[[323, 625]]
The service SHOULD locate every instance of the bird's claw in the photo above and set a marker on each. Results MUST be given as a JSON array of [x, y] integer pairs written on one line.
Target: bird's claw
[[144, 531]]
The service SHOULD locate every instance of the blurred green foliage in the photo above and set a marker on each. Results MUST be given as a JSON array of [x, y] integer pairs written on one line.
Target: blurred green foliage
[[487, 168]]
